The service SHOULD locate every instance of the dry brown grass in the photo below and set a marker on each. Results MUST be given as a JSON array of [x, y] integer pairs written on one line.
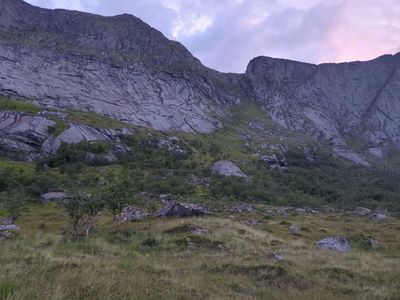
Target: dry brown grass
[[142, 261]]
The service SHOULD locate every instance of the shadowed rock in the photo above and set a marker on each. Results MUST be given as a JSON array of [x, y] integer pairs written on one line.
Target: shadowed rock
[[175, 209]]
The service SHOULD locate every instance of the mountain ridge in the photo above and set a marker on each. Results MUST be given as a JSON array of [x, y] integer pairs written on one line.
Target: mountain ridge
[[124, 69]]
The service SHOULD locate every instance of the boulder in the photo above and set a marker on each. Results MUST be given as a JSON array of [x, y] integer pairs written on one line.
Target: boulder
[[175, 209], [53, 196], [7, 231], [130, 213], [378, 216], [336, 243], [362, 211], [227, 168], [242, 207], [295, 229]]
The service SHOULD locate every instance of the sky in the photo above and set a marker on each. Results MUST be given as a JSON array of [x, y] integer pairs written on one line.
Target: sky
[[227, 34]]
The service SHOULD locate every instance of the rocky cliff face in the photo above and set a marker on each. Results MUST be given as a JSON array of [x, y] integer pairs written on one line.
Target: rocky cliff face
[[117, 66], [122, 68], [334, 102]]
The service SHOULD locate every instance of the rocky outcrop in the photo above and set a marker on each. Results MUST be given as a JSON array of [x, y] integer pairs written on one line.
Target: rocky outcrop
[[227, 168], [175, 209], [26, 136], [23, 134]]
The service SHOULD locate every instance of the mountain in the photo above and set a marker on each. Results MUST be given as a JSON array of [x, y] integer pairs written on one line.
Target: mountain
[[119, 67], [339, 103], [122, 68]]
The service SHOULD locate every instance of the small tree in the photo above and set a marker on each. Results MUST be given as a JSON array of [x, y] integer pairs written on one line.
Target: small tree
[[13, 202], [116, 195], [78, 207]]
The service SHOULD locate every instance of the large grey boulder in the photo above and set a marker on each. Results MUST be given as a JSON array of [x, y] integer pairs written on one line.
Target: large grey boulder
[[227, 168], [336, 243], [175, 209]]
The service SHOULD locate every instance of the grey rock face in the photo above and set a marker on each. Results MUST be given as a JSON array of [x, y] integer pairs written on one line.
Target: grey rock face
[[339, 244], [124, 69], [227, 168], [332, 102], [23, 133], [116, 66]]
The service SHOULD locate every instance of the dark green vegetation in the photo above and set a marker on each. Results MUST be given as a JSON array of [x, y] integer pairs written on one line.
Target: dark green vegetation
[[325, 181]]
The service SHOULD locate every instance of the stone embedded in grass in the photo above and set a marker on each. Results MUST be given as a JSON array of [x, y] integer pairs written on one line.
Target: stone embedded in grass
[[378, 216], [251, 222], [197, 242], [362, 211], [175, 209], [336, 243], [277, 256], [130, 213], [188, 228], [243, 207], [8, 231], [227, 168], [282, 212], [374, 244], [295, 229]]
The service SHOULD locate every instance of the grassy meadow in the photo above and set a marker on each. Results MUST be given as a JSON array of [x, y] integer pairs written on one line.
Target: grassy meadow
[[159, 259]]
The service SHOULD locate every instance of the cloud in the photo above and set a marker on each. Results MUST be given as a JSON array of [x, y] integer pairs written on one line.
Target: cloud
[[226, 34]]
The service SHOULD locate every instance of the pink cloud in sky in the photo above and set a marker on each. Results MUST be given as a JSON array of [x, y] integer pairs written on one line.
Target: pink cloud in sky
[[227, 34]]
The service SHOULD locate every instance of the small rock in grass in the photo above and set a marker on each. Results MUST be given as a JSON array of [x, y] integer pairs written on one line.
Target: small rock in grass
[[336, 243], [295, 229], [277, 256], [251, 222], [362, 211], [374, 244]]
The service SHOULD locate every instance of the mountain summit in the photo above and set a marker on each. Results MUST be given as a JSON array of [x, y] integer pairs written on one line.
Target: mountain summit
[[124, 69]]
